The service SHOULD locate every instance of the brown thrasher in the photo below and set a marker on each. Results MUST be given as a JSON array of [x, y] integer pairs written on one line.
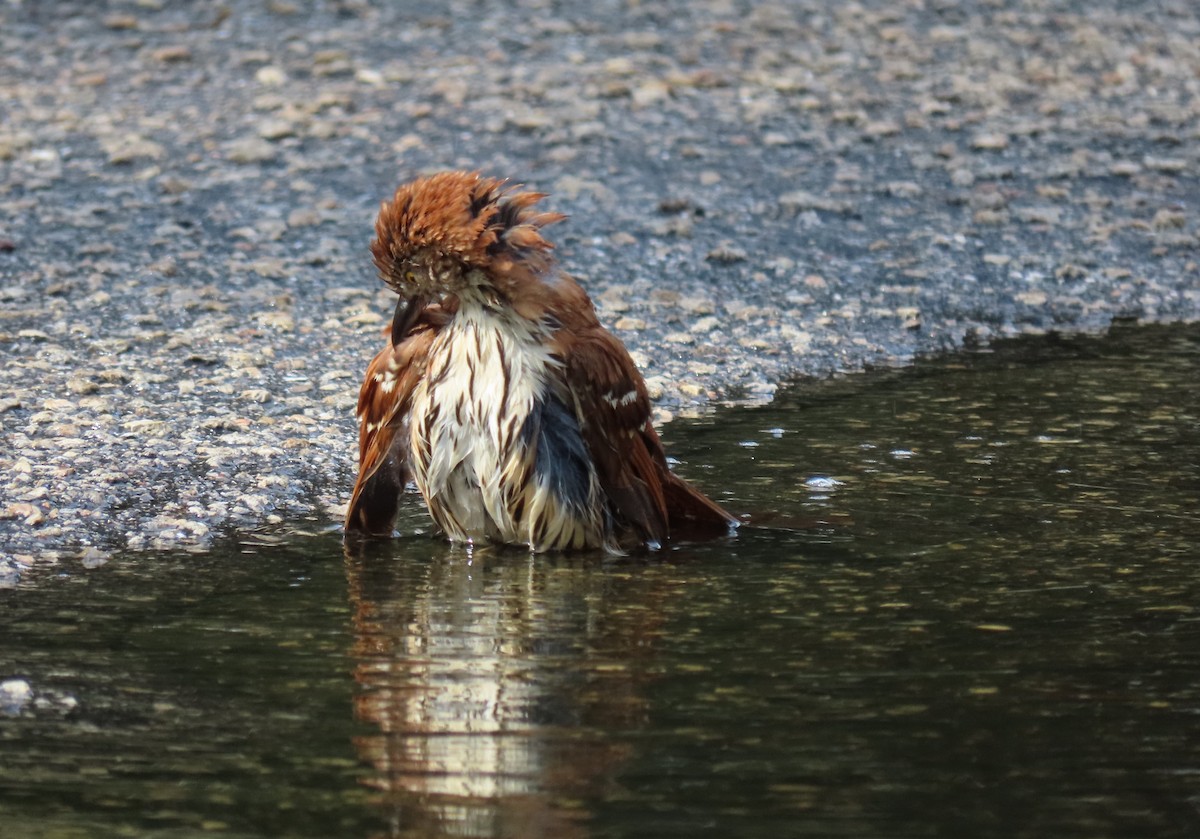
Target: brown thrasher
[[521, 419]]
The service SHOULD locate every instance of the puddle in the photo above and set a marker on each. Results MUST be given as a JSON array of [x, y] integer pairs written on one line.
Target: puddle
[[970, 607]]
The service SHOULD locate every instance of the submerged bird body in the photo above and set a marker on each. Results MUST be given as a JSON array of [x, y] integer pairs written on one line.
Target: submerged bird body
[[518, 416]]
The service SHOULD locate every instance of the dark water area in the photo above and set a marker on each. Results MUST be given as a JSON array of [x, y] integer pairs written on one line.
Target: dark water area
[[969, 606]]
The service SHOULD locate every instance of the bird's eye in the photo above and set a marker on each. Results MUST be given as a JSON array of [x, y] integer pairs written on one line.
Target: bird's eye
[[410, 276]]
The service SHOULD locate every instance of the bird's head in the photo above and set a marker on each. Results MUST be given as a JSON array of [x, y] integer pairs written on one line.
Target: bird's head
[[454, 232]]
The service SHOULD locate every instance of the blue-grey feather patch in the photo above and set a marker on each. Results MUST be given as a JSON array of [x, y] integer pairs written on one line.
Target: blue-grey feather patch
[[563, 463]]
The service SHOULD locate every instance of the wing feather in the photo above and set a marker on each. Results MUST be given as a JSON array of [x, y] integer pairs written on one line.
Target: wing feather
[[384, 403], [614, 414]]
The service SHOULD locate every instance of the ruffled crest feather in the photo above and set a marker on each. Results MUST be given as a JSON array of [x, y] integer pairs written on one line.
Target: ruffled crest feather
[[480, 222]]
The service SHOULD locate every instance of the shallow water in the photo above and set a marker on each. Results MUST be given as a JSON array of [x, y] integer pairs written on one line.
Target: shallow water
[[969, 608]]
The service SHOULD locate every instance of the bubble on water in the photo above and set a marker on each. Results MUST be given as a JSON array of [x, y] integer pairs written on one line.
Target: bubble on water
[[15, 694]]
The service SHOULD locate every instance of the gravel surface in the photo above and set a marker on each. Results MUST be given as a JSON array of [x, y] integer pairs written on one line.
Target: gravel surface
[[756, 191]]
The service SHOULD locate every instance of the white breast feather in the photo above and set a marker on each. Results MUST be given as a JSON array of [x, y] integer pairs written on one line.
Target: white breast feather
[[464, 462]]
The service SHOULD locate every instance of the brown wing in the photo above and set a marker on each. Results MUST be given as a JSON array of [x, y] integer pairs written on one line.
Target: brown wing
[[383, 416], [614, 414]]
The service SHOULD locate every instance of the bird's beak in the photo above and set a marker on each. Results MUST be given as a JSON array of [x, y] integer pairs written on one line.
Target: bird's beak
[[407, 311]]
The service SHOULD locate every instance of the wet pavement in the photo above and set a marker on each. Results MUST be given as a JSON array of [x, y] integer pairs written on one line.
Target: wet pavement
[[755, 191]]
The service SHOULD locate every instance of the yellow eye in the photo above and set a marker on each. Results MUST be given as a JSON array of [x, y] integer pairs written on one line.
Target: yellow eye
[[410, 276]]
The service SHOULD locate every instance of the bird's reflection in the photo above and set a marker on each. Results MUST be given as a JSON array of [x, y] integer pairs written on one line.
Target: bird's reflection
[[499, 683]]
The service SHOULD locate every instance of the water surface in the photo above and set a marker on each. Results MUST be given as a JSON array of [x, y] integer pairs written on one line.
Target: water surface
[[969, 609]]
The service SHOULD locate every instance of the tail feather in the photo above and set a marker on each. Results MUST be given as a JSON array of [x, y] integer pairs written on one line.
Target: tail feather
[[691, 513]]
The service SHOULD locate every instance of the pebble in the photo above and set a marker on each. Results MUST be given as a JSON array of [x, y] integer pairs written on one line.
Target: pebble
[[989, 142], [250, 150], [276, 129], [176, 52], [270, 76], [800, 200], [726, 254]]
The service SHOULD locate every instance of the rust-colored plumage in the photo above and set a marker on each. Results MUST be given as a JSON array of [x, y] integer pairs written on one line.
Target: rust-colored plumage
[[519, 417]]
